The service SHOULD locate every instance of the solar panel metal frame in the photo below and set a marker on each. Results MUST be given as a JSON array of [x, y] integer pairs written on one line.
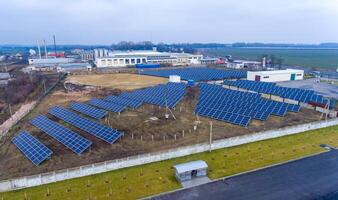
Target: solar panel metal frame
[[88, 110], [133, 103], [107, 105], [65, 136], [100, 131], [32, 148]]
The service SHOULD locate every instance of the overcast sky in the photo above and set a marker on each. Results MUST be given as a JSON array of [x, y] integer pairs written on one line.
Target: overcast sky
[[223, 21]]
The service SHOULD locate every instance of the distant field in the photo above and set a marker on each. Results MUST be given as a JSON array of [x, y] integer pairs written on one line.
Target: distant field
[[318, 58], [149, 179], [121, 81]]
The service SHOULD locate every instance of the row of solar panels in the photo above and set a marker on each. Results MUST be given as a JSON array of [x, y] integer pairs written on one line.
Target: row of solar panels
[[168, 94], [162, 95], [37, 152], [302, 95], [238, 107], [198, 74]]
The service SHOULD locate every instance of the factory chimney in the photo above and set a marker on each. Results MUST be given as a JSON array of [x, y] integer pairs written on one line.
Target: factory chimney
[[46, 54], [264, 62], [54, 46], [39, 49]]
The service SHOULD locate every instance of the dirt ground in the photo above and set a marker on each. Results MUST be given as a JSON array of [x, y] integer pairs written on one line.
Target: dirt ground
[[146, 130], [123, 80]]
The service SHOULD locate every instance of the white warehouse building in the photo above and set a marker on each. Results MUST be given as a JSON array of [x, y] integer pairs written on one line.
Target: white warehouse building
[[276, 75], [130, 58]]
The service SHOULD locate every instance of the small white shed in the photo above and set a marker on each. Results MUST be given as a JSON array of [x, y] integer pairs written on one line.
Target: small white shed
[[190, 170], [174, 79]]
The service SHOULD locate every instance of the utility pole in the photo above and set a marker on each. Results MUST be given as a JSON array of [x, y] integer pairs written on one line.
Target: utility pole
[[210, 137], [328, 109], [44, 85], [54, 46], [10, 109]]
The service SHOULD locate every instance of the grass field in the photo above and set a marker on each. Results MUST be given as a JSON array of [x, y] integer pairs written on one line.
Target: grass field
[[120, 81], [316, 58], [141, 181]]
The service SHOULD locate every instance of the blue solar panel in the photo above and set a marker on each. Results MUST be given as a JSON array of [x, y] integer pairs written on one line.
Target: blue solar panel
[[233, 118], [166, 95], [217, 99], [198, 74], [88, 110], [98, 130], [124, 101], [302, 95], [293, 107], [113, 107], [32, 148], [69, 138]]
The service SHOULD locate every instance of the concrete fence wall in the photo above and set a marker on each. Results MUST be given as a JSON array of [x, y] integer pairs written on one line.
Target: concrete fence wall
[[24, 110], [40, 179], [16, 117]]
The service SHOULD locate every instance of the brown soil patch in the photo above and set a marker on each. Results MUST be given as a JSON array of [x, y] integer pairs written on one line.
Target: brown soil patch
[[143, 133], [122, 81]]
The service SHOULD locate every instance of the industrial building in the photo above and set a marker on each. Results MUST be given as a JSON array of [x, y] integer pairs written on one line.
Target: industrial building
[[71, 67], [241, 64], [49, 61], [87, 56], [100, 53], [190, 170], [276, 75], [4, 78], [131, 58]]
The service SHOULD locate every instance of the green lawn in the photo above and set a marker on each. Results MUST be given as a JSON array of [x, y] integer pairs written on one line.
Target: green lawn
[[311, 58], [141, 181]]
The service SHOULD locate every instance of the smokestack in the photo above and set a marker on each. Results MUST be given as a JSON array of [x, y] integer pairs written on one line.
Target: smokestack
[[54, 45], [264, 62], [39, 49], [44, 42]]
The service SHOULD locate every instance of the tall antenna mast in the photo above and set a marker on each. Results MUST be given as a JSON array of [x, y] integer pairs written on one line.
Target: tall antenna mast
[[54, 45]]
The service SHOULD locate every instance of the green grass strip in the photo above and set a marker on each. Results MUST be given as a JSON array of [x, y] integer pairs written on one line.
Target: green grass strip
[[154, 178]]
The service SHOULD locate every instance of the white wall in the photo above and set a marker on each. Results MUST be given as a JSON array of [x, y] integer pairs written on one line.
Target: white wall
[[119, 62], [65, 174], [275, 76]]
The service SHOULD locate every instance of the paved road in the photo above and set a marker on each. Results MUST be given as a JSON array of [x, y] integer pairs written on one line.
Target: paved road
[[310, 178]]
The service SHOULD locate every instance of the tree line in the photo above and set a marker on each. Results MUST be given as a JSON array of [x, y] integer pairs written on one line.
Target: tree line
[[21, 86]]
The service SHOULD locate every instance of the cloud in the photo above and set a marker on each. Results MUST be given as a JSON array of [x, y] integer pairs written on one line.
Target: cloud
[[109, 21]]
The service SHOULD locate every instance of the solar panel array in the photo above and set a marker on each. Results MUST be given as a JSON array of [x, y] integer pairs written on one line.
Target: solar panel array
[[169, 94], [238, 107], [198, 74], [31, 147], [88, 110], [65, 136], [302, 95], [132, 103], [98, 130], [107, 105]]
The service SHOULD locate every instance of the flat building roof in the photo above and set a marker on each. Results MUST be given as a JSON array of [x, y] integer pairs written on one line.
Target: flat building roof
[[190, 166]]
